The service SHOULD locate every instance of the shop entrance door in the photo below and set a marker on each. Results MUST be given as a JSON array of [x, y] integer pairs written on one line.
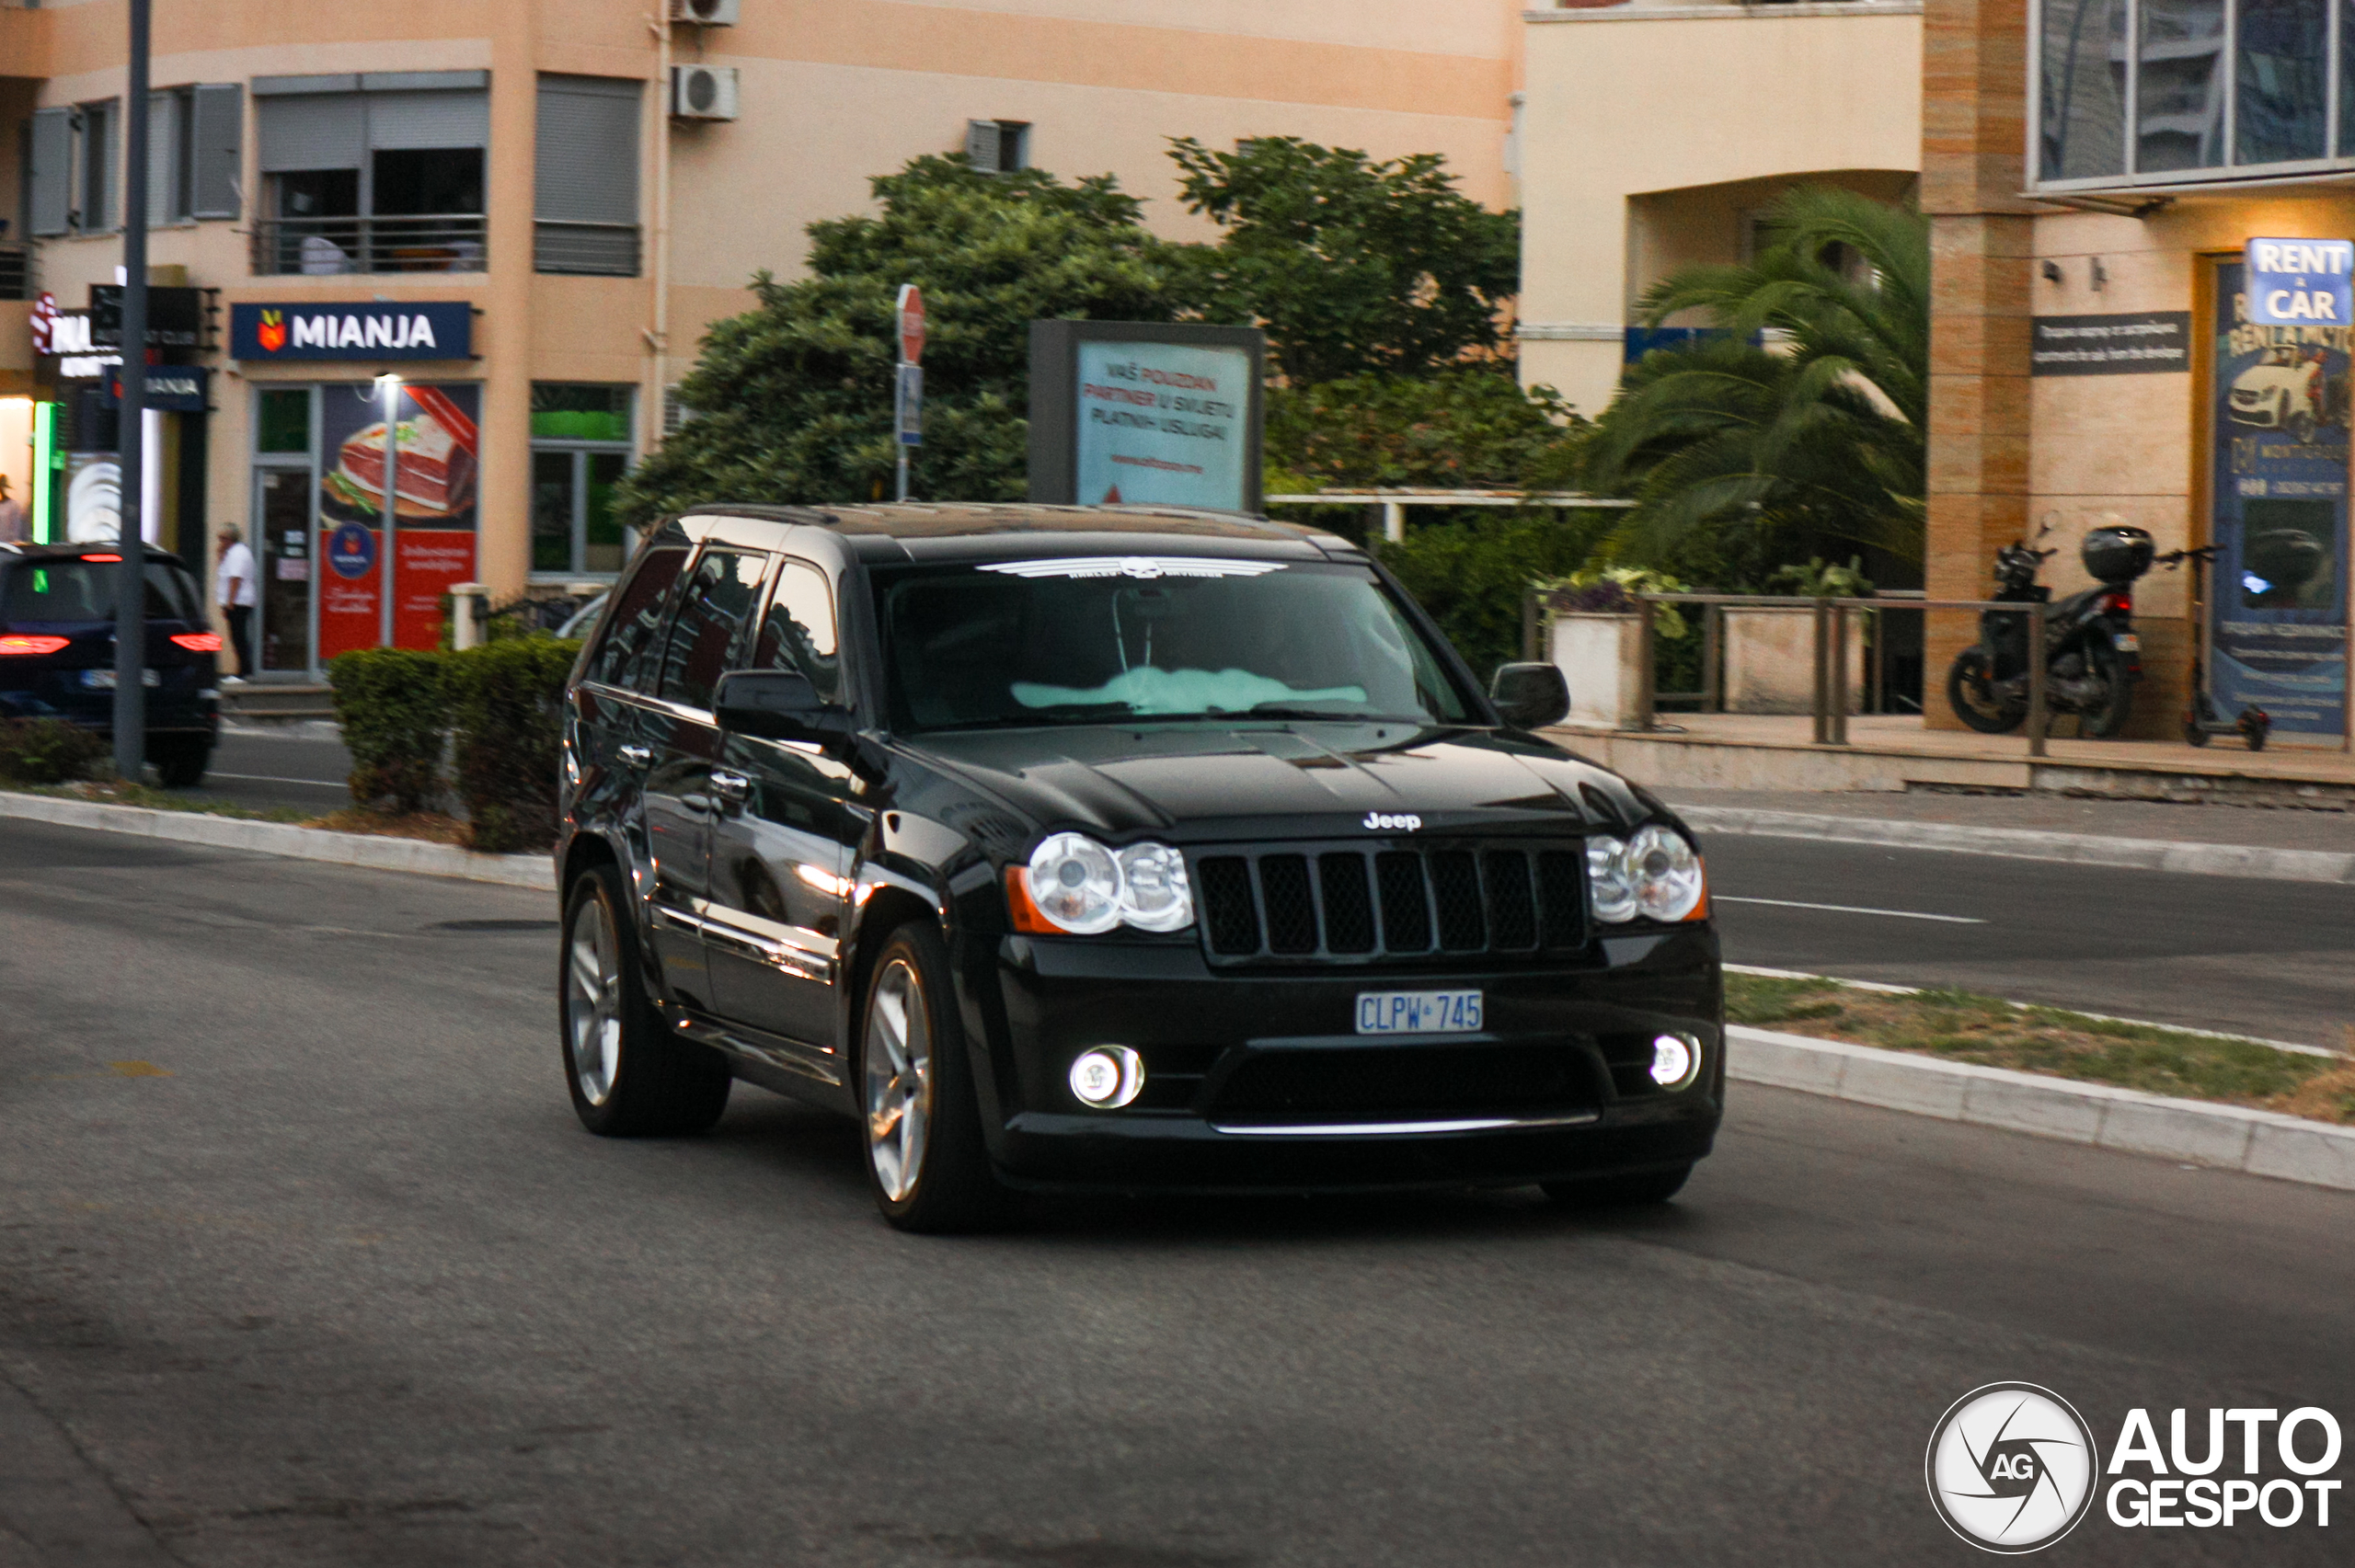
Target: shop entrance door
[[282, 519]]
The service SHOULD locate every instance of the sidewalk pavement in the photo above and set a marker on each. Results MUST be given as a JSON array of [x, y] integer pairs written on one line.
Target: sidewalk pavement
[[2218, 841]]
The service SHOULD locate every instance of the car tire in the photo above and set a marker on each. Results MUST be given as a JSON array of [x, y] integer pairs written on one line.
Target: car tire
[[629, 1077], [920, 1116], [179, 763], [1620, 1192]]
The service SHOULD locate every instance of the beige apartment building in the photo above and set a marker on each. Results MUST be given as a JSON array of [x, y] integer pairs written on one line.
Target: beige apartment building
[[507, 224], [1653, 134]]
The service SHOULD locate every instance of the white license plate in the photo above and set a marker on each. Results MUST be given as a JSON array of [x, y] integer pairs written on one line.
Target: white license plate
[[104, 680], [2127, 642], [1419, 1012]]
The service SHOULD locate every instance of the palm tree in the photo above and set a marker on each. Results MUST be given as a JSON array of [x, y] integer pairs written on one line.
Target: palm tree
[[1804, 414]]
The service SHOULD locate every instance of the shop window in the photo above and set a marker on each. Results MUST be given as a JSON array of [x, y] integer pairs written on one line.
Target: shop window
[[580, 449], [283, 423]]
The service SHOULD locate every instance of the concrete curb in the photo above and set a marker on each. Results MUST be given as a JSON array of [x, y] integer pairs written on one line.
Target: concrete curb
[[2262, 1143], [2024, 844], [365, 850]]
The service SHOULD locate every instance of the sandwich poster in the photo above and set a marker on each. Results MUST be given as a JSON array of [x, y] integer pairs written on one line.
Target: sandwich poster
[[435, 451]]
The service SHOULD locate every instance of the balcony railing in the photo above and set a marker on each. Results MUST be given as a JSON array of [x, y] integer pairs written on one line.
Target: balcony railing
[[16, 273], [327, 248], [601, 250]]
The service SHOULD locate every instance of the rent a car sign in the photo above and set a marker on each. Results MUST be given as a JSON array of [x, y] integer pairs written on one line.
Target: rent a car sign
[[2301, 282]]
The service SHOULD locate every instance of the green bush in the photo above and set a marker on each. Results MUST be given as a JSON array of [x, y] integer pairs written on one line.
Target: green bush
[[394, 705], [506, 712], [49, 750], [1471, 576]]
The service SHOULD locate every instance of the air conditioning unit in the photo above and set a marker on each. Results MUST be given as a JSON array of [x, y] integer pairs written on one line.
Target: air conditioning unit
[[703, 92], [705, 13]]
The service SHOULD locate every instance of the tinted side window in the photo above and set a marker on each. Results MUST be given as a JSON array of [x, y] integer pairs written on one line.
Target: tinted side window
[[715, 614], [72, 589], [798, 633], [636, 619]]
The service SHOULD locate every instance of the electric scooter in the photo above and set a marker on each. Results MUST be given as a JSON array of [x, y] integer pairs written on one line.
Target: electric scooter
[[2200, 719]]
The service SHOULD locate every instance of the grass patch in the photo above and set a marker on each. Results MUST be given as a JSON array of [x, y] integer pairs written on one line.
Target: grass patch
[[432, 826], [114, 792], [1963, 1027]]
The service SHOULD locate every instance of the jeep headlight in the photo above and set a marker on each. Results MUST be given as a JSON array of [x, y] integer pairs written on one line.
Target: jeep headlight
[[1656, 874], [1075, 884]]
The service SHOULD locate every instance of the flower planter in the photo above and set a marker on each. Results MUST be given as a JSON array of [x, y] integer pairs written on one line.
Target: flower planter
[[1602, 657], [1770, 659]]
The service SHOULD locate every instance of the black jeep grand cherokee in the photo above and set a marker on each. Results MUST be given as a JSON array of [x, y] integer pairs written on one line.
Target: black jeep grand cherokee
[[1112, 849]]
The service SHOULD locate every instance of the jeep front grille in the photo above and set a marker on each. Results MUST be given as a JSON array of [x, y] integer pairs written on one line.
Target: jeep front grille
[[1362, 903]]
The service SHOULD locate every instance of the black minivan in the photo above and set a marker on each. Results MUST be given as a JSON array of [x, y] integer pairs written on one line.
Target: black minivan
[[57, 618], [1112, 849]]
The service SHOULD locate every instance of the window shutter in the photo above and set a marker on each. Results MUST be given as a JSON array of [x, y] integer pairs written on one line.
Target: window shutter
[[321, 131], [161, 165], [216, 167], [981, 137], [413, 120], [106, 148], [49, 194], [586, 161]]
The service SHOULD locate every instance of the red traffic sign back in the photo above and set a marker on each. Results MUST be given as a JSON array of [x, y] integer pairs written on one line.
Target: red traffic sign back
[[911, 324]]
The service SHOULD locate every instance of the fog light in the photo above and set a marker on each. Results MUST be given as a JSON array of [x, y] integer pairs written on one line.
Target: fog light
[[1675, 1059], [1108, 1076]]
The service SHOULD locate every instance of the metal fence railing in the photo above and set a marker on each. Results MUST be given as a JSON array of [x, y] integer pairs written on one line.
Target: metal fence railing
[[326, 247], [1831, 628], [597, 251]]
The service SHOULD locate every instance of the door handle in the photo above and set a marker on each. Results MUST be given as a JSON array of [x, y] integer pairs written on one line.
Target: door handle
[[636, 756], [730, 786]]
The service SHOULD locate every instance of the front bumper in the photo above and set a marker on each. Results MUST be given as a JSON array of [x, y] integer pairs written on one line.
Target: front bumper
[[1258, 1082]]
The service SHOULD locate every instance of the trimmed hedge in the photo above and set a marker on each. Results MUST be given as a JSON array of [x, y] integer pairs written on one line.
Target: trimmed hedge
[[49, 751], [507, 706], [498, 707], [394, 706]]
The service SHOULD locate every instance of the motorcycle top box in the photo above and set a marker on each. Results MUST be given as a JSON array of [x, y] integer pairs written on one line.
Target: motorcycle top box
[[2117, 555]]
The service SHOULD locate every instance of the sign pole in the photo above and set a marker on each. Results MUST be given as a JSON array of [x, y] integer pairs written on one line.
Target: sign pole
[[907, 381], [392, 386], [131, 591]]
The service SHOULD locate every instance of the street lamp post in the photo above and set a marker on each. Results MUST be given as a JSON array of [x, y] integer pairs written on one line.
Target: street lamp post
[[130, 580], [390, 385]]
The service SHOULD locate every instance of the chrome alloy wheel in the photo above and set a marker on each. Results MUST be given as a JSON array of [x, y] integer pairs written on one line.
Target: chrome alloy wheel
[[899, 1080], [592, 1002]]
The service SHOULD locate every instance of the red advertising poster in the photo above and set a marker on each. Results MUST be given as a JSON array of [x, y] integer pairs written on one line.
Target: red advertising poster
[[433, 483]]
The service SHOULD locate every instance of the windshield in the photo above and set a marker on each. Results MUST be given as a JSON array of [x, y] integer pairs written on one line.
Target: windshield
[[73, 589], [1090, 639]]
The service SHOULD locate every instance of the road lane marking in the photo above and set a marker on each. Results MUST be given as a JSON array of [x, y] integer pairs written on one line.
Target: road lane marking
[[1853, 910]]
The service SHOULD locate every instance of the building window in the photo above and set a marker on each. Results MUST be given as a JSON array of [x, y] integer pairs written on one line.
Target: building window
[[584, 186], [580, 449], [998, 146], [2160, 92], [381, 172]]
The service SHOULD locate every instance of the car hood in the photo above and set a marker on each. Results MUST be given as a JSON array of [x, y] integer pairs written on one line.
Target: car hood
[[1286, 780]]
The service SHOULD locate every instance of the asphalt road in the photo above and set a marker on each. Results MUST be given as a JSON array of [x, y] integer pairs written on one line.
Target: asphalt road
[[264, 769], [303, 1260], [2275, 959]]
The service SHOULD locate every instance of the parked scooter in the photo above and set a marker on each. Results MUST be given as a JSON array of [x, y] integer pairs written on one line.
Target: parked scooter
[[2201, 718], [2092, 655]]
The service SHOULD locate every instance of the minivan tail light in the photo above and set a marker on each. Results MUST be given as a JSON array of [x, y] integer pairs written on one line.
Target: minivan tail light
[[33, 645], [199, 642]]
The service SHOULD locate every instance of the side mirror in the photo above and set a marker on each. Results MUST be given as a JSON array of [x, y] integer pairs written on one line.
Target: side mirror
[[777, 705], [1529, 696]]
